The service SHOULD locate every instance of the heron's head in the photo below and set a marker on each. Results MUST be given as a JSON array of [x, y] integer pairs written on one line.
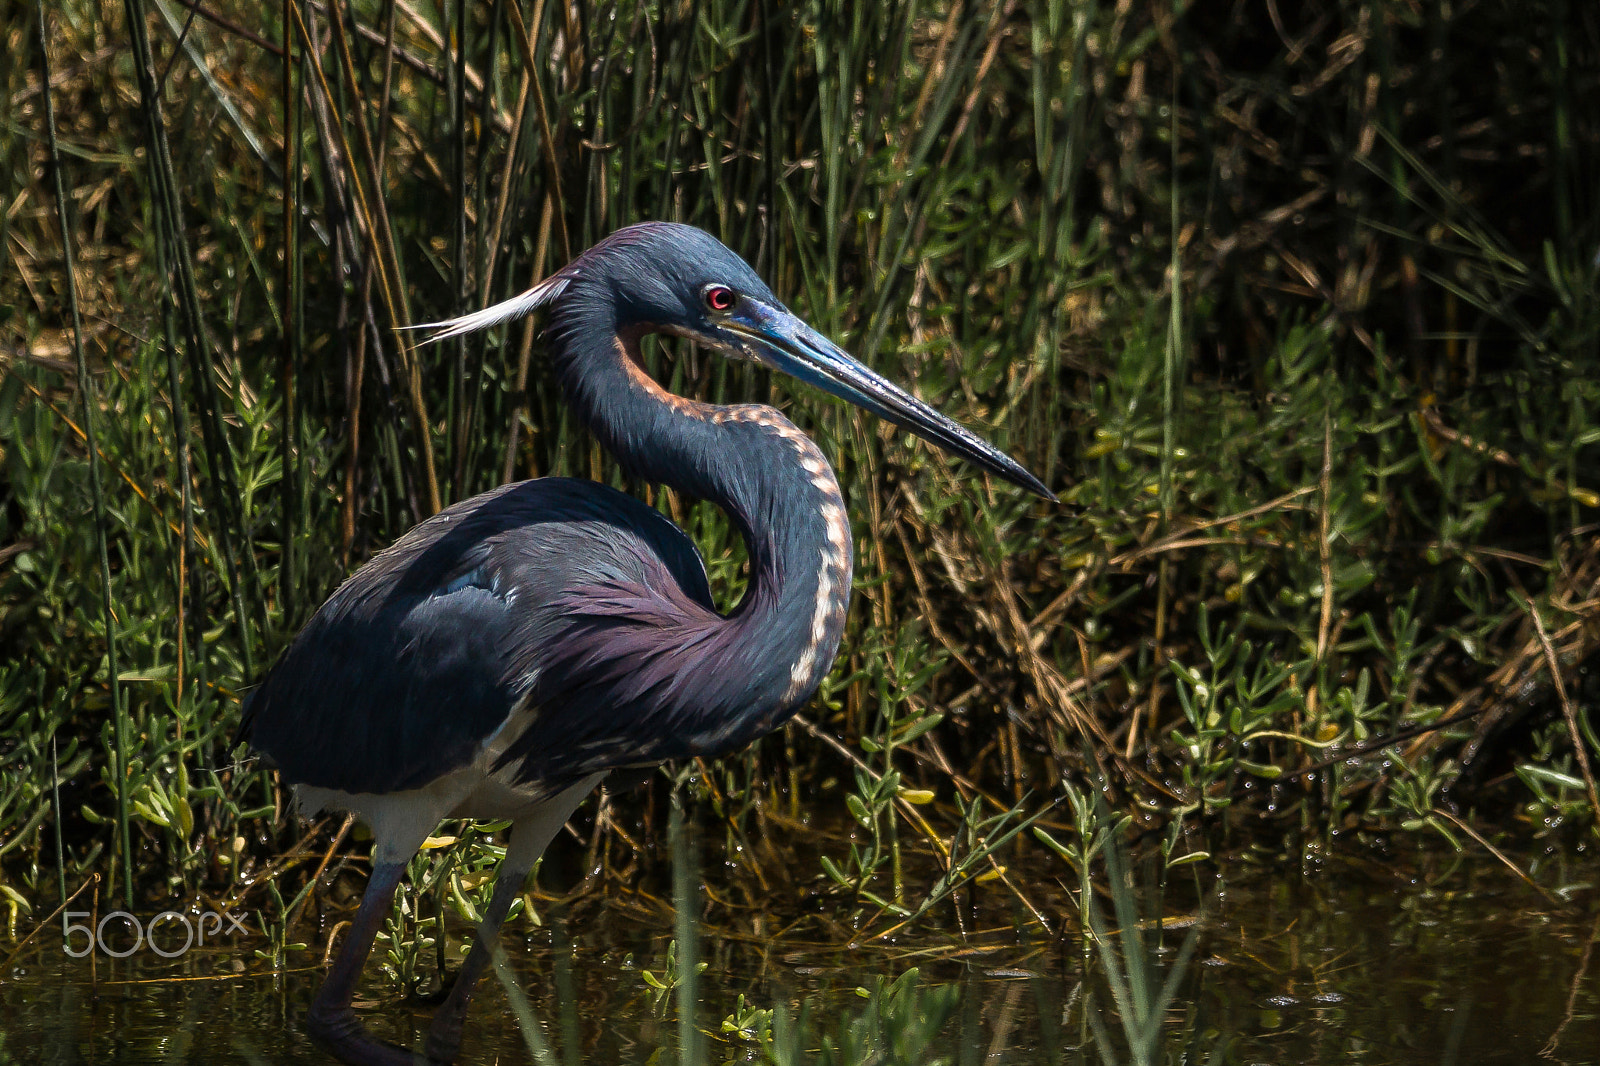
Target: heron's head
[[671, 278]]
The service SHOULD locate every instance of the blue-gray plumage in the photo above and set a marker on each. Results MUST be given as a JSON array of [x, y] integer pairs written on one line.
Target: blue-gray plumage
[[504, 656], [423, 653]]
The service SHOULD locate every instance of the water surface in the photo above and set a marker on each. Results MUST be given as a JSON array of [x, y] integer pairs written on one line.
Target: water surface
[[1426, 961]]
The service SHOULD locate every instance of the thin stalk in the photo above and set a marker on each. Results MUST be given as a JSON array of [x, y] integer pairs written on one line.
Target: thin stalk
[[519, 403], [288, 575], [1171, 371], [1171, 366], [86, 395], [482, 240], [527, 1022], [458, 249], [670, 154], [238, 565], [685, 897], [374, 217], [529, 49], [55, 818]]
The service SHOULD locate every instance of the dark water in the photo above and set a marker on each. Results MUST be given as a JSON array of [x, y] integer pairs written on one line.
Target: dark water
[[1432, 961]]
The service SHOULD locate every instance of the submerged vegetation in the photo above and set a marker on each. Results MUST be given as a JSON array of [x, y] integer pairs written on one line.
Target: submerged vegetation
[[1299, 314]]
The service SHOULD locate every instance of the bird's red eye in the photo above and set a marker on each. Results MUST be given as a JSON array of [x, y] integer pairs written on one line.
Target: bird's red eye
[[720, 298]]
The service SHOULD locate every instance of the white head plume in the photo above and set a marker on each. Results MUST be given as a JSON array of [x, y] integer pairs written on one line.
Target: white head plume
[[504, 311]]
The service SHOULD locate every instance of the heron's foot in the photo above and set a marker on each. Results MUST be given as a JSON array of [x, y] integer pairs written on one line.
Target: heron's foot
[[339, 1031], [444, 1037]]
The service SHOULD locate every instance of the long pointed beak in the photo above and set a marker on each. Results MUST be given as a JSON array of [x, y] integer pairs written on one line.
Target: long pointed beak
[[785, 343]]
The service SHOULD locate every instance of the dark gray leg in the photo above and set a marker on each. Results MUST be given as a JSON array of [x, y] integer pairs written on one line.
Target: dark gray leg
[[444, 1035], [530, 835], [330, 1019]]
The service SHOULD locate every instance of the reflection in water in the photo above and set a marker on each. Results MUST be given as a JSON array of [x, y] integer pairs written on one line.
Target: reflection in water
[[1347, 965]]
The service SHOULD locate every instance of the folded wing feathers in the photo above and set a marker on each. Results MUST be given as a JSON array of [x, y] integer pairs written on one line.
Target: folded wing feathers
[[504, 311]]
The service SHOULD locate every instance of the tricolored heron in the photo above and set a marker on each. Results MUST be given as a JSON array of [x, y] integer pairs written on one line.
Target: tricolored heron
[[506, 655]]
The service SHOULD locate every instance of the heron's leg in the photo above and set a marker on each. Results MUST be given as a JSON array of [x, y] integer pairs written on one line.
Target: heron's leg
[[529, 837], [330, 1019], [444, 1034]]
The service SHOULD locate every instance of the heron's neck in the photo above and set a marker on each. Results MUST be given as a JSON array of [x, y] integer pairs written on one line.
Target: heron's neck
[[770, 478]]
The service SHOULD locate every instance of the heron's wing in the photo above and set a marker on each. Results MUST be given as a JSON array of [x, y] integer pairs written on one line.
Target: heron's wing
[[641, 675], [422, 655], [633, 677]]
